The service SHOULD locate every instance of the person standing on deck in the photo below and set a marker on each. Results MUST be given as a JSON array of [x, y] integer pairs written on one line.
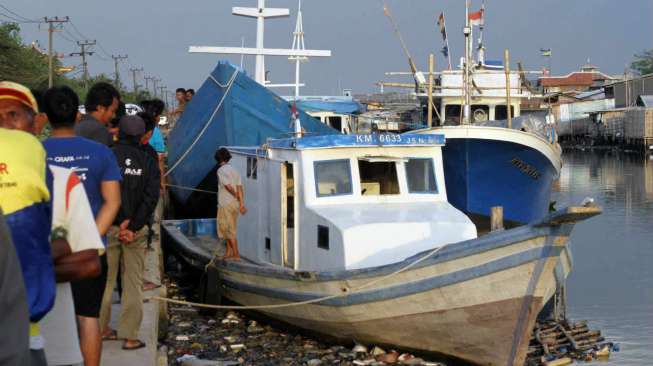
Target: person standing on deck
[[101, 104], [231, 202], [180, 96], [190, 93], [128, 236], [99, 173]]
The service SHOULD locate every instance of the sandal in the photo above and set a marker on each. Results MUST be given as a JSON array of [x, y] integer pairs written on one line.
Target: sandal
[[112, 336], [140, 344]]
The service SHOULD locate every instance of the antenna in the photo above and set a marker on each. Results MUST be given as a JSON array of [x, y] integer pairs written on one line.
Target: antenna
[[298, 44]]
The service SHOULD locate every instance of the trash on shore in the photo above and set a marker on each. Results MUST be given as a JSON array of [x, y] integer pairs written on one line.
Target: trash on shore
[[229, 339], [559, 343]]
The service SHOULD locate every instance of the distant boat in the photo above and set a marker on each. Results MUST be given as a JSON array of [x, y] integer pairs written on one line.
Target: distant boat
[[487, 161], [358, 228]]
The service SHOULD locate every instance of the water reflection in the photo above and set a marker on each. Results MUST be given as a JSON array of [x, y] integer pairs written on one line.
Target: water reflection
[[612, 281]]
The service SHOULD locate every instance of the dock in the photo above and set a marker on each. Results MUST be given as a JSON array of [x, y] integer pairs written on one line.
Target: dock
[[112, 353]]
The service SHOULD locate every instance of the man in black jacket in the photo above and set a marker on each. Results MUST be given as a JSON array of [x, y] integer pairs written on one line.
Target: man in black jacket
[[127, 237]]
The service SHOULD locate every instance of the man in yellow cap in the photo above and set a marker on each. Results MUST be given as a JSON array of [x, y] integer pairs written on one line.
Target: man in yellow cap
[[24, 199]]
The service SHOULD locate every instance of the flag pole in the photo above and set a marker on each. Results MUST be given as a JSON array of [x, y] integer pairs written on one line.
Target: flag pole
[[444, 22]]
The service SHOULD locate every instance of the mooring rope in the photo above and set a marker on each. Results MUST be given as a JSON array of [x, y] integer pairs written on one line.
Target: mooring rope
[[208, 123], [190, 189], [345, 291]]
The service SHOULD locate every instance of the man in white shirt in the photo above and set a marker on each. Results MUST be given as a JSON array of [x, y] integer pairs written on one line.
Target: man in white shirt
[[73, 220], [231, 202]]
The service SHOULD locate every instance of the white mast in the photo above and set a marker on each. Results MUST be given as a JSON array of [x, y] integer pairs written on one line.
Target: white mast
[[298, 44], [260, 13], [467, 31]]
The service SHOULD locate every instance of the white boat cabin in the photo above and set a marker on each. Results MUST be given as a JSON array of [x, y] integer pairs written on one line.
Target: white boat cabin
[[341, 202]]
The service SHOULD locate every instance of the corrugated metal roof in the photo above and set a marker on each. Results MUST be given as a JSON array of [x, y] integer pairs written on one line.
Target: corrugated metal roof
[[573, 79]]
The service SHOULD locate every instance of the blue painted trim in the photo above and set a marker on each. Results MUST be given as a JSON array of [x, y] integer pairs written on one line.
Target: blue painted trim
[[373, 140], [351, 182], [404, 289], [453, 251]]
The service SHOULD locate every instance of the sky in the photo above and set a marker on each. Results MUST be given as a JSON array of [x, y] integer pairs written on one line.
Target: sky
[[156, 34]]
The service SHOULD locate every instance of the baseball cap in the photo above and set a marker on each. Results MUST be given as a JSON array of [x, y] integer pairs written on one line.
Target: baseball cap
[[131, 125], [19, 93]]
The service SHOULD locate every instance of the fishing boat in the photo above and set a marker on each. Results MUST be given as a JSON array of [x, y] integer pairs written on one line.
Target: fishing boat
[[352, 236], [494, 156]]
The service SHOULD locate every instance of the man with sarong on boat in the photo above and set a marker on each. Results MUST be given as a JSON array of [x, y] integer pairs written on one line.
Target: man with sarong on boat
[[231, 203]]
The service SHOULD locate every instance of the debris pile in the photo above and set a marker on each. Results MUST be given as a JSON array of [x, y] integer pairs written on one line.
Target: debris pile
[[558, 343], [230, 339]]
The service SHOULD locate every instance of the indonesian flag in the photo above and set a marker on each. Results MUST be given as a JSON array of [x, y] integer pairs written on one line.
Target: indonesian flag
[[441, 24], [476, 18], [72, 212]]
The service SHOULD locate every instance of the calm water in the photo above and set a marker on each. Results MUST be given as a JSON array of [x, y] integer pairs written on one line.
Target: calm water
[[612, 281]]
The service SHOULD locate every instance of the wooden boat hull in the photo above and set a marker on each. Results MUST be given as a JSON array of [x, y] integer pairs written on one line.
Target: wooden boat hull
[[475, 300]]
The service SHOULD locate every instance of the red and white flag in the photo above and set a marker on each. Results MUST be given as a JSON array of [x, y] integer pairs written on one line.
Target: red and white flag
[[476, 18]]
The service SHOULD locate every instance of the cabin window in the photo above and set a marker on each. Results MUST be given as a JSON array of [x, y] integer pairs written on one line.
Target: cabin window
[[378, 177], [452, 114], [501, 112], [420, 175], [252, 167], [323, 237], [332, 178], [335, 122]]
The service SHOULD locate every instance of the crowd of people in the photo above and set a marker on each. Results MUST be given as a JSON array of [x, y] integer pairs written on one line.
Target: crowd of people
[[75, 213]]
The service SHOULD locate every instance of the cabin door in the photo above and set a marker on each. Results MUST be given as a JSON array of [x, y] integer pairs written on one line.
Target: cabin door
[[281, 206], [288, 215]]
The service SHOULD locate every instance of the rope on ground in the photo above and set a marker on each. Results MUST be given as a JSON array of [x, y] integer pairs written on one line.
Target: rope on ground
[[190, 189], [345, 291], [208, 123]]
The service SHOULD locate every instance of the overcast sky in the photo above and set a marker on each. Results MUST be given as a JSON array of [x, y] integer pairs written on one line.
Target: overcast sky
[[156, 35]]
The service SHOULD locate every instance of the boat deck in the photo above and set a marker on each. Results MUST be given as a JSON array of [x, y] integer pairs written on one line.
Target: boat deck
[[212, 247]]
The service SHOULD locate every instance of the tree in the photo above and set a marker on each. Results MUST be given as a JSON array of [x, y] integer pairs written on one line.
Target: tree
[[27, 65], [643, 63]]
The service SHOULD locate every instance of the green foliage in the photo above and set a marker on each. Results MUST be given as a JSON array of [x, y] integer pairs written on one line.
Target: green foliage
[[20, 63], [643, 62]]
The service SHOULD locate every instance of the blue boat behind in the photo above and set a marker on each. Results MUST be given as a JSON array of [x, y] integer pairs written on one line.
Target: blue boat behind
[[229, 109]]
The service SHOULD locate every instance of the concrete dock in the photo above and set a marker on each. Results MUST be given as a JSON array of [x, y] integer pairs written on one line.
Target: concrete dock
[[112, 352]]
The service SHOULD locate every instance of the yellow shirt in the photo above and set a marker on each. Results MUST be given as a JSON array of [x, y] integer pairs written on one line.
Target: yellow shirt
[[22, 171]]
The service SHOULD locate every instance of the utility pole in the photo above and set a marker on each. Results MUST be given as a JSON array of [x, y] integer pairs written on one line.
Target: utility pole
[[154, 82], [51, 29], [116, 60], [134, 71], [147, 82], [83, 52], [162, 90]]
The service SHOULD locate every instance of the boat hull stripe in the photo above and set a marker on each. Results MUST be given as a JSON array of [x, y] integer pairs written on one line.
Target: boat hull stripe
[[387, 293]]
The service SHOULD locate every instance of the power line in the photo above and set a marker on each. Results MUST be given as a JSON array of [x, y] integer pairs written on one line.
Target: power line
[[24, 19], [16, 20], [77, 30]]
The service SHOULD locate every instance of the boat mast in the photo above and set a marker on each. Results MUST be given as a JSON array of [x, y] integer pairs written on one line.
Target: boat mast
[[260, 13], [467, 32], [298, 44], [481, 46]]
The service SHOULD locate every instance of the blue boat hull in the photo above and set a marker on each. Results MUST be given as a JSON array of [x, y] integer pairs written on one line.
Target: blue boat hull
[[482, 173], [229, 109]]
